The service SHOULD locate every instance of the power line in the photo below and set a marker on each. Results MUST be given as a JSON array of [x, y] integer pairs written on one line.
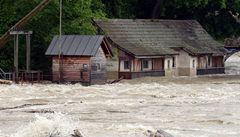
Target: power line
[[60, 41]]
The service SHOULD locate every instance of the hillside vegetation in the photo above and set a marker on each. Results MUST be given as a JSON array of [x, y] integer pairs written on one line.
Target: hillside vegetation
[[219, 17]]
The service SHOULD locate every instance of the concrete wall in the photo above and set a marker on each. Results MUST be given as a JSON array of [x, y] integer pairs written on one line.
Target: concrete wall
[[168, 66], [112, 65], [185, 64]]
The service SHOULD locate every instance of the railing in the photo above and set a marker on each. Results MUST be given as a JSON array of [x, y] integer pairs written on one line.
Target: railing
[[132, 75], [6, 76], [31, 76], [2, 74], [207, 71]]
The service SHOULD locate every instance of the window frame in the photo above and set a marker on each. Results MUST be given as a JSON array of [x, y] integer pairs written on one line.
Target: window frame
[[168, 63], [174, 62], [126, 66], [193, 63], [147, 63], [209, 61]]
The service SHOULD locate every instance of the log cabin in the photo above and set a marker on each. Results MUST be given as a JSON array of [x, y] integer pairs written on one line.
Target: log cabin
[[82, 59], [162, 47]]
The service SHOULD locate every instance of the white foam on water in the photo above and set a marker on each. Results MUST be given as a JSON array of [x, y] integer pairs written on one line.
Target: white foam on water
[[48, 125], [122, 110]]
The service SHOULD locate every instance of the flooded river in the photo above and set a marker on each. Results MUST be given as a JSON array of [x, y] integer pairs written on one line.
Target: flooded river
[[184, 107]]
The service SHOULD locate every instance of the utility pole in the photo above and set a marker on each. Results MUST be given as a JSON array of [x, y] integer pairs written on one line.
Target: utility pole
[[60, 42]]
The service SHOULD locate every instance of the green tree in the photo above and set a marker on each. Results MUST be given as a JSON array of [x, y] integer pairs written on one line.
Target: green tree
[[77, 19]]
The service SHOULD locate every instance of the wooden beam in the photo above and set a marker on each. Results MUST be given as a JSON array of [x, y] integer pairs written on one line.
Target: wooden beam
[[20, 32], [119, 63], [107, 47], [28, 52], [21, 23], [16, 58]]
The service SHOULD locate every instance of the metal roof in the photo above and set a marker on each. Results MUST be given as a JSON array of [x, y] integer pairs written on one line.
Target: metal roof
[[143, 37], [75, 45]]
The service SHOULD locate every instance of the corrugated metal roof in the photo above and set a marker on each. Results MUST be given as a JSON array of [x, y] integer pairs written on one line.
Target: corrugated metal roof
[[158, 37], [75, 45]]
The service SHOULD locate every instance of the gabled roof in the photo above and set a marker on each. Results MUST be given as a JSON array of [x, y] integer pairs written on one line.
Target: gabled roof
[[75, 45], [143, 37]]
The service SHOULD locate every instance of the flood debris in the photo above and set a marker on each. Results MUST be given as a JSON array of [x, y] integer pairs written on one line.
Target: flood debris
[[21, 106], [5, 82], [158, 133], [39, 111], [115, 81], [76, 133]]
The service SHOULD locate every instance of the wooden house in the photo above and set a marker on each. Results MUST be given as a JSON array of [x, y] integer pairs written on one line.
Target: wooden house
[[82, 58], [232, 43], [163, 47]]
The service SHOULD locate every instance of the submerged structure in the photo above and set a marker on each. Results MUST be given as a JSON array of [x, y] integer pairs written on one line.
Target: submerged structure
[[79, 58], [163, 47]]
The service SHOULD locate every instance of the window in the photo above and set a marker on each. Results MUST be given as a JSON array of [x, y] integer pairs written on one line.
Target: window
[[193, 63], [96, 67], [145, 64], [126, 65], [173, 65], [209, 60], [168, 62]]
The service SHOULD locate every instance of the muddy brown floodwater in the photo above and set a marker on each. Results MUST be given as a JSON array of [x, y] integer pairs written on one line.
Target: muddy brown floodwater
[[184, 107]]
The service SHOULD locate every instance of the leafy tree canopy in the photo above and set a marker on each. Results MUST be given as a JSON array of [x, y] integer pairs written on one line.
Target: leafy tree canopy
[[218, 17]]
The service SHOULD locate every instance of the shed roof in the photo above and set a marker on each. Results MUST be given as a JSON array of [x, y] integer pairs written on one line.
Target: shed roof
[[75, 45], [143, 37]]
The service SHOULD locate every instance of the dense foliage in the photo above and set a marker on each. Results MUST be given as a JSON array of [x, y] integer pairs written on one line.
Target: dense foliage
[[218, 17]]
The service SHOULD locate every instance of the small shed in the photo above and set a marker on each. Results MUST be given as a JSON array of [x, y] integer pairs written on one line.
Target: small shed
[[83, 58]]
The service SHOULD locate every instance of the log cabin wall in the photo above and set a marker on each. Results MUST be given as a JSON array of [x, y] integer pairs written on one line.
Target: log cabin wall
[[71, 67], [99, 68], [186, 64]]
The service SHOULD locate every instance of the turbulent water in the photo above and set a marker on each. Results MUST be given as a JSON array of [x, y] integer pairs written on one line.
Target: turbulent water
[[203, 107]]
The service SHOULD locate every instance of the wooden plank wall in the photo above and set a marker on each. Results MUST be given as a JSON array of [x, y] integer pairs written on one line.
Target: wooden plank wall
[[137, 65], [158, 64], [71, 68], [202, 62], [217, 61]]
